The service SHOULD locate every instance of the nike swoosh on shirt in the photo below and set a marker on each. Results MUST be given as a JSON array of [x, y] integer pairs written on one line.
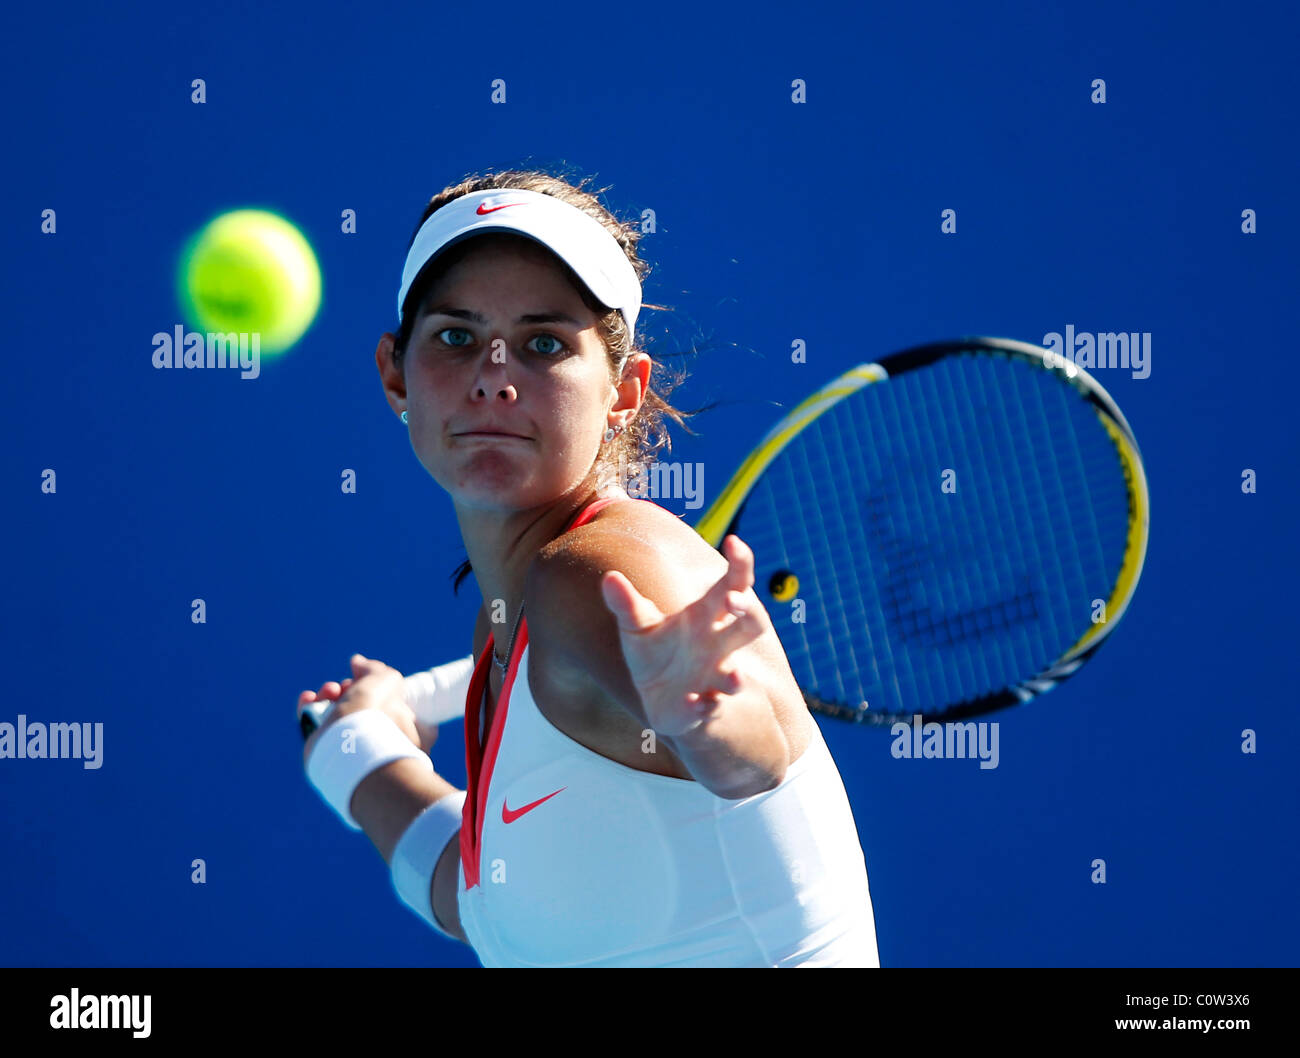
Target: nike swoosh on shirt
[[508, 816]]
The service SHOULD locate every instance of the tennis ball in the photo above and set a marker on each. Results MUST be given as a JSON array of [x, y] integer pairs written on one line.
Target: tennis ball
[[251, 271]]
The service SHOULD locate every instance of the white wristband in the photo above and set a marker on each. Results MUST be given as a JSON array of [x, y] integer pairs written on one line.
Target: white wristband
[[416, 854], [438, 694], [349, 750]]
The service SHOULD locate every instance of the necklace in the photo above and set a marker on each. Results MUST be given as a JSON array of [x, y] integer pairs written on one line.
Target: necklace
[[504, 666]]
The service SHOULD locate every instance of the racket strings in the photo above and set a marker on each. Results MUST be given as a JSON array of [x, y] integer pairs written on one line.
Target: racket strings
[[916, 599], [1037, 493], [835, 586]]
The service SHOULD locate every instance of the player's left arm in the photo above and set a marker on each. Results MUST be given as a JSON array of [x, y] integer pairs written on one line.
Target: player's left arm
[[740, 749]]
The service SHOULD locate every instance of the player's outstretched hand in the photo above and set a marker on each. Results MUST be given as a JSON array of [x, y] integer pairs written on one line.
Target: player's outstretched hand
[[684, 663]]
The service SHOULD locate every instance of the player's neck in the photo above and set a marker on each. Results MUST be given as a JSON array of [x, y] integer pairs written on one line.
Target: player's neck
[[502, 543]]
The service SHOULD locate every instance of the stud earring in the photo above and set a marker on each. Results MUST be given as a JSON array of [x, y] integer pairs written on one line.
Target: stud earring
[[403, 418]]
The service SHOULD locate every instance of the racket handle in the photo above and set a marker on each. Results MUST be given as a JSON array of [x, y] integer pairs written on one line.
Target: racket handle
[[434, 696]]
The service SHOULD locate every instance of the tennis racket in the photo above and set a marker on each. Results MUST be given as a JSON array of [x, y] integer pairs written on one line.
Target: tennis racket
[[952, 530]]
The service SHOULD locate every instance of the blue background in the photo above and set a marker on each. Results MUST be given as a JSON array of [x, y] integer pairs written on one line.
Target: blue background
[[775, 221]]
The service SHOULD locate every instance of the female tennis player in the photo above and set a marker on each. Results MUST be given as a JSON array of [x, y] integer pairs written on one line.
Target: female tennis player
[[646, 786]]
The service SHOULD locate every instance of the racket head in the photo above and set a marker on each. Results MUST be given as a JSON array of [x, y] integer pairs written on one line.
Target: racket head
[[963, 522]]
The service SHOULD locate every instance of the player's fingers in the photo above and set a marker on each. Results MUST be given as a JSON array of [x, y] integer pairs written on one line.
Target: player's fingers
[[330, 689], [705, 705], [723, 604], [740, 559], [738, 577], [633, 611], [724, 682], [745, 627]]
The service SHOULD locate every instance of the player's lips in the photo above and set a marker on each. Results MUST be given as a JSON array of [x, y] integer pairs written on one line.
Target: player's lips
[[492, 433]]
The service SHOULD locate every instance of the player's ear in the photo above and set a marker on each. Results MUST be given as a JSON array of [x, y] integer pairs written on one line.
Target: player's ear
[[633, 382], [391, 375]]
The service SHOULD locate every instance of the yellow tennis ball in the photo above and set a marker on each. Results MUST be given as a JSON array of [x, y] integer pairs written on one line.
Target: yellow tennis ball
[[251, 271]]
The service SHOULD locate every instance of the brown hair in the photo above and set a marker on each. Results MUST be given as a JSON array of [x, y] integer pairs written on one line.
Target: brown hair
[[647, 433]]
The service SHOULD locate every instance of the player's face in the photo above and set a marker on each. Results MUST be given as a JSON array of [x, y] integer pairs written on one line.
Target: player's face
[[504, 342]]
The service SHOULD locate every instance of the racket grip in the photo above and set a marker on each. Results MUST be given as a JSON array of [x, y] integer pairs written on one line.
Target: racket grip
[[438, 694], [434, 696]]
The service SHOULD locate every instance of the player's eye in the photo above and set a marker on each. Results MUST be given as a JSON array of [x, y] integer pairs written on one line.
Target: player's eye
[[545, 345], [453, 330], [550, 346]]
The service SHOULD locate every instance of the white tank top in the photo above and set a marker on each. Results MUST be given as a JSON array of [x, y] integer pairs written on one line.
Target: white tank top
[[569, 858]]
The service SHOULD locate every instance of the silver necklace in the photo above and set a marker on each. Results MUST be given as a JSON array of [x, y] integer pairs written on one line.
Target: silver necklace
[[504, 666]]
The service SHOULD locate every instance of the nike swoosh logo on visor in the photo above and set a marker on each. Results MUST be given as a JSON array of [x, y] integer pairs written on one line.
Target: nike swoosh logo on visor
[[492, 209], [508, 816]]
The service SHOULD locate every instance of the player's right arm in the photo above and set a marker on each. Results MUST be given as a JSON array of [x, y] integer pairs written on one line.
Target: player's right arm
[[388, 800], [446, 890], [386, 803], [446, 876]]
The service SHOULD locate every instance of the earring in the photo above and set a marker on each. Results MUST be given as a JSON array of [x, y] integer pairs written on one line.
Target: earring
[[611, 432], [404, 418]]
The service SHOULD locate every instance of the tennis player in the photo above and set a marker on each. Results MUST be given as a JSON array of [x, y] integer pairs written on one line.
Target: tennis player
[[646, 786]]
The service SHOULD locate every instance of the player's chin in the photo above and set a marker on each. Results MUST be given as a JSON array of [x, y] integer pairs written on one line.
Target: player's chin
[[502, 484], [482, 470]]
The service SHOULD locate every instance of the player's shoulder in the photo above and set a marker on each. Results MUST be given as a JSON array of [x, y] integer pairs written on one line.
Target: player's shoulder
[[572, 633], [634, 537], [639, 538], [666, 561]]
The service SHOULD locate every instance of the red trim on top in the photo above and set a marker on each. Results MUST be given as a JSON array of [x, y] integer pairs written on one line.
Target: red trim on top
[[480, 760], [473, 761], [592, 509], [494, 736]]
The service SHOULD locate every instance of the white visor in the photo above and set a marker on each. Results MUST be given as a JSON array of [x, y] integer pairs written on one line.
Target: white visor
[[579, 240]]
